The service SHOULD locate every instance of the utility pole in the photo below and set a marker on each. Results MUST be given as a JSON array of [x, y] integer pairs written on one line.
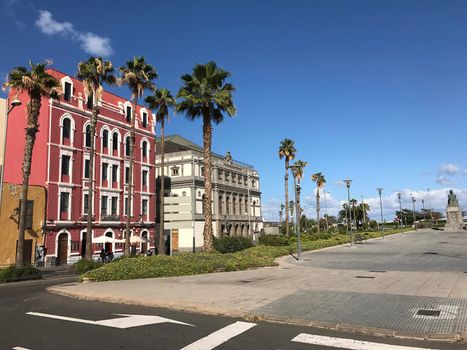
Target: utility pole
[[326, 212], [400, 210], [413, 210]]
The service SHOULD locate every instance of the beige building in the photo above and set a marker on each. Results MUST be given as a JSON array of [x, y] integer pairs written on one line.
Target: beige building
[[236, 194]]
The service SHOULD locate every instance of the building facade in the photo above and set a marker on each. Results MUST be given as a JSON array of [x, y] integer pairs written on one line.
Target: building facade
[[60, 158], [236, 195]]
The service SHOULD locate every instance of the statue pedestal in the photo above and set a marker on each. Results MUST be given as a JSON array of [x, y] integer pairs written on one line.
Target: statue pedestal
[[454, 221]]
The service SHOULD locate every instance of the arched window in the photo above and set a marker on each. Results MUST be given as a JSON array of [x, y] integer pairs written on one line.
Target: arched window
[[127, 146], [66, 129], [87, 141], [105, 139], [115, 141], [145, 149]]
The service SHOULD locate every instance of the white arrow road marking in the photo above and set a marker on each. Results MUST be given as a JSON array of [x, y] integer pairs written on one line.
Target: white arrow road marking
[[219, 337], [19, 348], [350, 344], [127, 321]]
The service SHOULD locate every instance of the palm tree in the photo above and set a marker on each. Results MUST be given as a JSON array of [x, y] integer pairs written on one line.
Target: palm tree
[[287, 151], [38, 84], [320, 181], [138, 76], [161, 100], [93, 72], [205, 95], [353, 203], [298, 169]]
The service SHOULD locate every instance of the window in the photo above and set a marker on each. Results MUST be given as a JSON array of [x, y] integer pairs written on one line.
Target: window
[[64, 199], [65, 165], [114, 173], [105, 168], [66, 129], [127, 175], [144, 207], [29, 213], [104, 205], [145, 178], [88, 136], [128, 113], [127, 146], [90, 102], [145, 149], [85, 204], [115, 141], [145, 119], [175, 171], [126, 206], [67, 92], [86, 168], [114, 205], [105, 139]]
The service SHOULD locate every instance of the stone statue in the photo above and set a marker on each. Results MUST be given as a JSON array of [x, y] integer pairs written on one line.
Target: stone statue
[[228, 157], [452, 199]]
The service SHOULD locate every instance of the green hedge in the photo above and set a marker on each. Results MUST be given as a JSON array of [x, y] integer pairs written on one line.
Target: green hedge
[[15, 274], [231, 244], [192, 264], [84, 265]]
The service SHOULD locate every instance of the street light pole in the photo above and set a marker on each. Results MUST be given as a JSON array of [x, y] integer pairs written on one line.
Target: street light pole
[[413, 210], [380, 190], [347, 184], [429, 206], [249, 201], [400, 210], [297, 216], [326, 212]]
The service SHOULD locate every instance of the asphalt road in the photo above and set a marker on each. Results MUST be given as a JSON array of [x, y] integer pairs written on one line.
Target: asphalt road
[[28, 320]]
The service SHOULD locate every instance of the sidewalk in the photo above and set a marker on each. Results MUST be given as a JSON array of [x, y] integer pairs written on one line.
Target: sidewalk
[[421, 304]]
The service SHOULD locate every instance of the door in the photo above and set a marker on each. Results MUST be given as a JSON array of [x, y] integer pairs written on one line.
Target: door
[[27, 252], [62, 254]]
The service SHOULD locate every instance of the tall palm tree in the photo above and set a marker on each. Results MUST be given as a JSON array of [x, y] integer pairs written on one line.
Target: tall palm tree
[[353, 203], [93, 72], [161, 100], [38, 84], [287, 151], [298, 169], [138, 76], [205, 95], [320, 182]]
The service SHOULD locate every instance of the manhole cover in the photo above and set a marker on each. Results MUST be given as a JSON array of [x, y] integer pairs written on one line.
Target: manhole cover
[[430, 253], [365, 276], [433, 313]]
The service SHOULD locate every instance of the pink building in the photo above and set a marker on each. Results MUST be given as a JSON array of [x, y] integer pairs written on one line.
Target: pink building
[[60, 157]]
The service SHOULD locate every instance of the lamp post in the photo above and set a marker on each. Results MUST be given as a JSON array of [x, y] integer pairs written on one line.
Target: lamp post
[[380, 190], [326, 212], [248, 176], [429, 206], [413, 210], [13, 104], [297, 214], [400, 210], [348, 182]]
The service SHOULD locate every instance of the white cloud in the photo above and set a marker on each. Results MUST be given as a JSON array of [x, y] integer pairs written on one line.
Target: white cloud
[[449, 169], [89, 42], [444, 181]]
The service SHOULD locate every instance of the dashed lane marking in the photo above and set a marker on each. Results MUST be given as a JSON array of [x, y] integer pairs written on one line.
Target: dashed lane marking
[[350, 344], [219, 337]]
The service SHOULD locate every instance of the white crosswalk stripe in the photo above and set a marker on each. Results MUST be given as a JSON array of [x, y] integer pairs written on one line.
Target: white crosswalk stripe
[[349, 344], [219, 337]]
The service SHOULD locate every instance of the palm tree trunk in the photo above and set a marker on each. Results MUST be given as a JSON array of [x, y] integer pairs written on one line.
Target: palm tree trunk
[[92, 132], [161, 211], [317, 208], [130, 178], [286, 179], [207, 139], [33, 108]]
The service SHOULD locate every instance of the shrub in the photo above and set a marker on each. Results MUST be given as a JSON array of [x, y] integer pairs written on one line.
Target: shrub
[[275, 240], [84, 265], [231, 244], [373, 224], [14, 274]]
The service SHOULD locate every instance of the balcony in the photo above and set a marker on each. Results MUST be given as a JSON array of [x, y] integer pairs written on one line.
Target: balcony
[[110, 217]]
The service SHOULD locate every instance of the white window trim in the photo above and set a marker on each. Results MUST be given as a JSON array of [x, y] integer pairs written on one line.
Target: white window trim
[[141, 111], [70, 166], [115, 130], [109, 140], [64, 80], [125, 105], [148, 150], [68, 245], [72, 128], [85, 192], [70, 200], [145, 218]]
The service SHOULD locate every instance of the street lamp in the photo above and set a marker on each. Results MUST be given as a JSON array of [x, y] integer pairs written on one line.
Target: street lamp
[[380, 190], [429, 206], [348, 182], [413, 210], [13, 104], [297, 213], [400, 210], [326, 212]]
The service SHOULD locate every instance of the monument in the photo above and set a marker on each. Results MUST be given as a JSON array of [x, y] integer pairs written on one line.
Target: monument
[[453, 214]]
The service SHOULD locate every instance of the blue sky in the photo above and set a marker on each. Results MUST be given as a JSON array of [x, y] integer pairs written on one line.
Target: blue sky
[[375, 91]]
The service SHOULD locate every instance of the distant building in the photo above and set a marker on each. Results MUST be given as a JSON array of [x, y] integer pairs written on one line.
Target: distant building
[[59, 165], [236, 194]]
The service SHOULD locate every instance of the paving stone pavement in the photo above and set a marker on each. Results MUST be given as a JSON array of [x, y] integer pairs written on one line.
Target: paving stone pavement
[[373, 287]]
